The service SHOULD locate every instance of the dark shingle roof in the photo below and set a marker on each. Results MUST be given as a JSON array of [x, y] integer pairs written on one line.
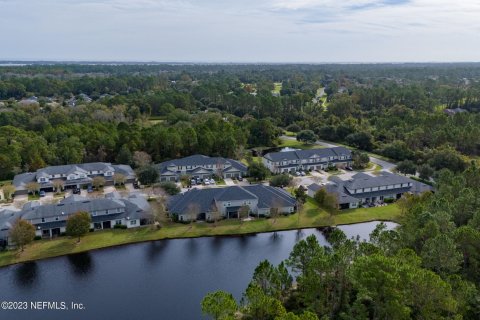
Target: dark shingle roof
[[384, 178], [306, 154]]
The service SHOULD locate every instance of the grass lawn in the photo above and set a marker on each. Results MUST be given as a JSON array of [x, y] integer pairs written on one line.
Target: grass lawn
[[32, 197], [297, 144], [277, 88], [309, 217]]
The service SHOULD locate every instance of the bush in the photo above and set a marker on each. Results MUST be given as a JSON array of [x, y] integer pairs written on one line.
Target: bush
[[170, 188], [119, 226], [389, 200], [281, 180], [37, 238]]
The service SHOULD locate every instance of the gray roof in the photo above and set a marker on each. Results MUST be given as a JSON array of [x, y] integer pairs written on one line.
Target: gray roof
[[20, 180], [306, 154], [201, 160], [337, 189], [269, 197], [384, 178], [203, 199], [135, 206], [7, 219]]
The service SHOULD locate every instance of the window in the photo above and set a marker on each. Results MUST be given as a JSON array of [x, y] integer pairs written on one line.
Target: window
[[56, 218], [43, 219], [118, 222], [133, 222]]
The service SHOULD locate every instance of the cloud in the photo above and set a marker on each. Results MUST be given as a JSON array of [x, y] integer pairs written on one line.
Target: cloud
[[248, 30]]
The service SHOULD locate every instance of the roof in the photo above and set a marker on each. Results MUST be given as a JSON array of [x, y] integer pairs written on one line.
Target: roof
[[307, 154], [201, 160], [203, 199], [269, 197], [20, 180], [384, 178], [337, 189], [7, 219]]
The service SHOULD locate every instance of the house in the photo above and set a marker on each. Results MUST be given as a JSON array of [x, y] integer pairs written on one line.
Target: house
[[200, 166], [7, 219], [201, 204], [50, 219], [363, 188], [73, 175], [314, 159]]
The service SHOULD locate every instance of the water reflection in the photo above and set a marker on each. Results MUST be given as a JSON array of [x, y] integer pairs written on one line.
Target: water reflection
[[81, 263], [26, 274], [299, 235], [155, 249]]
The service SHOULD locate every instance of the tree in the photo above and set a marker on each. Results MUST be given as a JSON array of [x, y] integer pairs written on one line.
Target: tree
[[78, 224], [243, 212], [8, 191], [33, 187], [257, 171], [219, 305], [360, 159], [259, 305], [307, 136], [441, 255], [58, 184], [215, 215], [160, 211], [124, 156], [118, 178], [361, 140], [22, 233], [98, 182], [170, 187], [300, 194], [326, 200], [147, 175], [141, 159], [425, 172], [407, 167], [281, 180]]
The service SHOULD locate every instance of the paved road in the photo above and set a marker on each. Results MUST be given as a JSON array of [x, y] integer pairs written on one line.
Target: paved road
[[389, 166]]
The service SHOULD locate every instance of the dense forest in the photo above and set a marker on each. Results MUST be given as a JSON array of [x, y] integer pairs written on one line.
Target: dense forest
[[427, 268], [175, 110]]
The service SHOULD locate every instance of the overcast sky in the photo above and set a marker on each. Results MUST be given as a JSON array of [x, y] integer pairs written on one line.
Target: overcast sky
[[240, 30]]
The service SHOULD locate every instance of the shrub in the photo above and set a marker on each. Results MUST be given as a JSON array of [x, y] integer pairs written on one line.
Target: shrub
[[170, 188], [119, 226], [281, 180]]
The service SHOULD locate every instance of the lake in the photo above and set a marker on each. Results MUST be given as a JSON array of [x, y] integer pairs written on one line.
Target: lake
[[164, 279]]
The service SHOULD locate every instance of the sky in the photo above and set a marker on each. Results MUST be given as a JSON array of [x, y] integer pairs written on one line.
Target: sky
[[273, 31]]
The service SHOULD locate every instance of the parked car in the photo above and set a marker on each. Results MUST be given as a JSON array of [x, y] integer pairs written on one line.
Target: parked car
[[135, 185], [349, 168], [206, 182], [297, 174], [193, 182], [302, 173], [42, 193], [212, 181], [76, 191], [89, 189]]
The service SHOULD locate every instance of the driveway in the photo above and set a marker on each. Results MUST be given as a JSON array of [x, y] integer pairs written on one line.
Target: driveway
[[229, 182]]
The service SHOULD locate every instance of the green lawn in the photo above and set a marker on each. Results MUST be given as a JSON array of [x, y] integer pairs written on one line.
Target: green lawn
[[297, 144], [309, 217], [277, 88]]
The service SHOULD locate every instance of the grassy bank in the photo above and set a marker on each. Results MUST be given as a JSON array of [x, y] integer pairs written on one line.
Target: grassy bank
[[310, 216]]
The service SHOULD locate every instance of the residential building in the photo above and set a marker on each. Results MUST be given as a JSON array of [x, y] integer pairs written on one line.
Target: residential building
[[200, 166], [50, 219], [306, 160], [201, 204], [73, 175], [364, 188], [7, 219]]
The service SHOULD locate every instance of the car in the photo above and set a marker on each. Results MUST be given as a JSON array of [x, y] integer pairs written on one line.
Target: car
[[193, 182], [302, 173], [349, 168], [212, 181], [135, 185], [76, 191], [297, 174], [240, 179], [89, 189], [42, 193], [206, 182]]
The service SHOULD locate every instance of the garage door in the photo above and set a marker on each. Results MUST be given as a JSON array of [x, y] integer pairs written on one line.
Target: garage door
[[172, 178], [228, 175]]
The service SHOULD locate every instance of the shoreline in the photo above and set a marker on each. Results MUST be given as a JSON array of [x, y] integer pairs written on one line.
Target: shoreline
[[64, 246]]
